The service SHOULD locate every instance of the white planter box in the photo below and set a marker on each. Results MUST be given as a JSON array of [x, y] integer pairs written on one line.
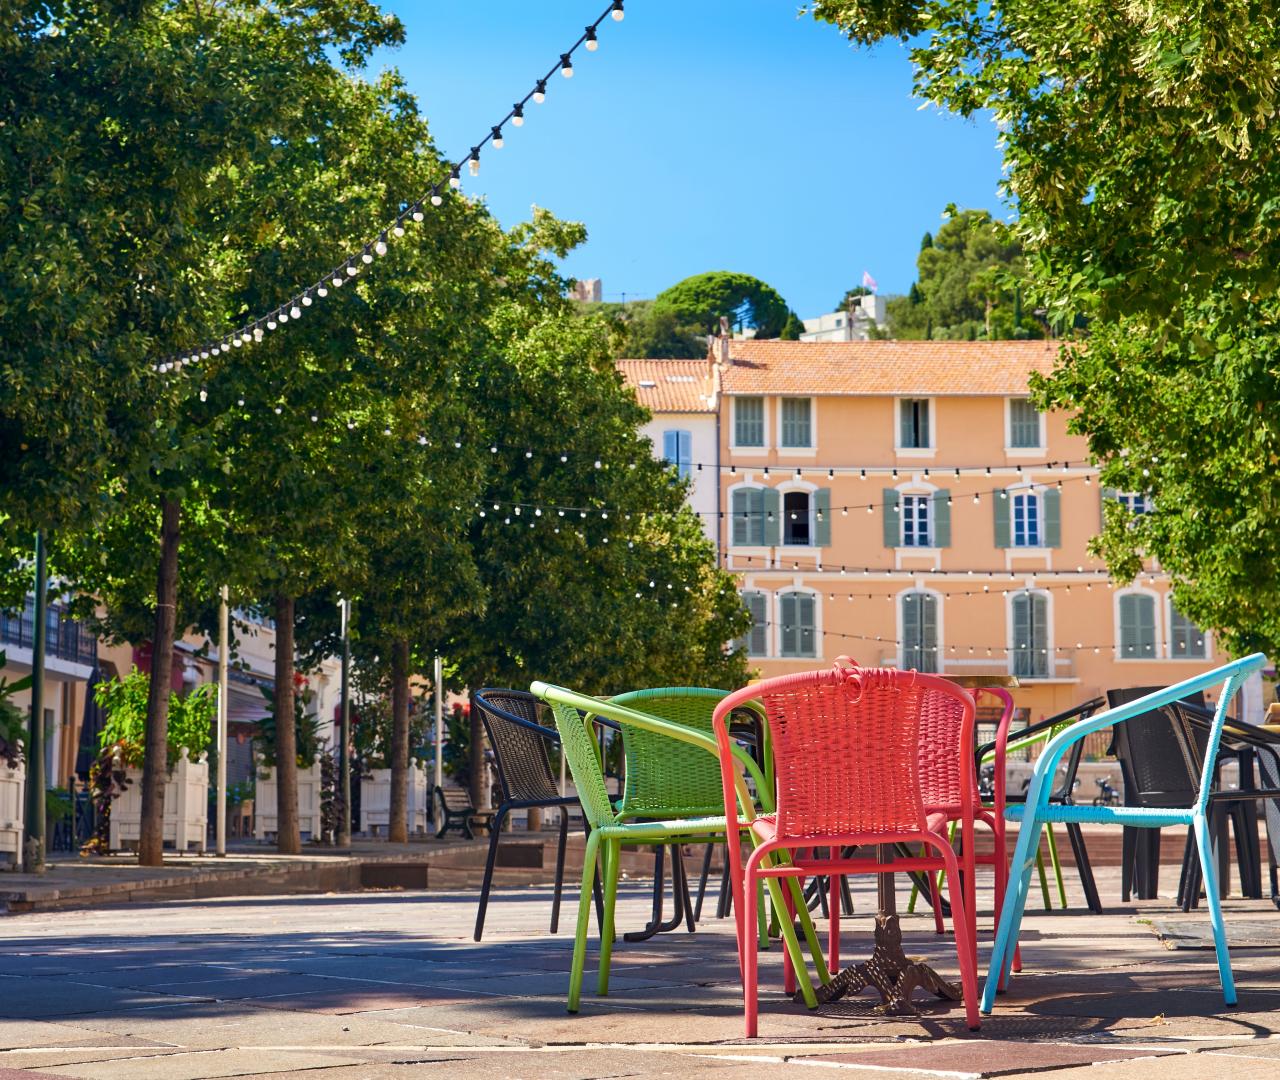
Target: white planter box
[[186, 806], [375, 800], [266, 799], [12, 790]]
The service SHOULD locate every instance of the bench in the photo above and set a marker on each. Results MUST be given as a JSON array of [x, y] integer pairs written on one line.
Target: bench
[[457, 812]]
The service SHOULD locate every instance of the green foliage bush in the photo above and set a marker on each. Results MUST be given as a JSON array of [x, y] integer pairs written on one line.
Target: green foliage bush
[[306, 728], [125, 702], [13, 724]]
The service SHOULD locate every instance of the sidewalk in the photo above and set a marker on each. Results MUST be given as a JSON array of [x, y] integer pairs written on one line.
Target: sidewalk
[[389, 984]]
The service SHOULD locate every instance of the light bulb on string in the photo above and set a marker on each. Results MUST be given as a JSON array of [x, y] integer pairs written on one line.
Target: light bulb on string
[[306, 300], [436, 199], [397, 230], [322, 292], [284, 316], [353, 270], [295, 312], [591, 43], [517, 116], [454, 180], [380, 247], [496, 141], [271, 324], [417, 214], [566, 65], [617, 12], [540, 92], [337, 281], [473, 162], [366, 256]]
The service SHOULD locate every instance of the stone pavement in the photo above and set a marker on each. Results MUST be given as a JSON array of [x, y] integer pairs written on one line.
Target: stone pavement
[[378, 984]]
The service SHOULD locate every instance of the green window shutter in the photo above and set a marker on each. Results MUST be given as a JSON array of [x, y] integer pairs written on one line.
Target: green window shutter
[[772, 505], [758, 636], [790, 616], [906, 427], [797, 424], [748, 421], [1021, 635], [1039, 636], [1000, 508], [911, 630], [892, 518], [1024, 424], [739, 511], [1051, 502], [806, 638], [822, 517], [929, 632], [1106, 494], [941, 518], [1137, 627]]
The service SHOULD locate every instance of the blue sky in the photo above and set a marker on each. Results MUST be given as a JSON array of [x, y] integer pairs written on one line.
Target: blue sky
[[702, 135]]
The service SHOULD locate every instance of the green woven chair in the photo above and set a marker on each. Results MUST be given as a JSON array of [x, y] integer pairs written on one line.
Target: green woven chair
[[660, 781]]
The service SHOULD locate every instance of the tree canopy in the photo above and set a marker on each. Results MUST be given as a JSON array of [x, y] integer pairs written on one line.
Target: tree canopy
[[968, 286], [702, 300]]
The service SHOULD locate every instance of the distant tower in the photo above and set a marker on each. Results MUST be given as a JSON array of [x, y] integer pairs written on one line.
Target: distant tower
[[588, 290]]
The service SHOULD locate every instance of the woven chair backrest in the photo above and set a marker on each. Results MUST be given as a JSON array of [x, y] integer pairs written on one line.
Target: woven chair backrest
[[520, 753], [579, 747], [666, 778], [863, 751], [1158, 769]]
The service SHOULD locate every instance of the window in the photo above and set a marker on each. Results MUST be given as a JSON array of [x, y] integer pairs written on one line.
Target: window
[[1186, 640], [747, 509], [1137, 626], [677, 448], [756, 641], [1134, 501], [915, 520], [913, 424], [1024, 424], [748, 421], [798, 635], [1026, 521], [1031, 636], [796, 527], [797, 426], [920, 631]]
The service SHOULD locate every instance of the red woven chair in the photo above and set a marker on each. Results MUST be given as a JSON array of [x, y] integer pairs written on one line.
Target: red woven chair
[[862, 756]]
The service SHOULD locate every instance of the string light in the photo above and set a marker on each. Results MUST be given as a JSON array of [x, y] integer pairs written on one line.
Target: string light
[[517, 115], [495, 139], [591, 43], [566, 66]]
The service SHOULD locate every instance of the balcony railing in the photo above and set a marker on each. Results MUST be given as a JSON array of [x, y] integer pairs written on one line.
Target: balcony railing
[[65, 638]]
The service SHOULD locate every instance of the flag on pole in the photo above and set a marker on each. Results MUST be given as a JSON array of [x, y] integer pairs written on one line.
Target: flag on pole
[[869, 281]]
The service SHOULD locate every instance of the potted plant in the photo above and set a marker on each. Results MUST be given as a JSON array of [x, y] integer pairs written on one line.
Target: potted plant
[[310, 773], [13, 733], [115, 779]]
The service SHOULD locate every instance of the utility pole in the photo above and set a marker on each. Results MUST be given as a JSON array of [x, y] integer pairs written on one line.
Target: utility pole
[[224, 650], [438, 676], [33, 842], [344, 730]]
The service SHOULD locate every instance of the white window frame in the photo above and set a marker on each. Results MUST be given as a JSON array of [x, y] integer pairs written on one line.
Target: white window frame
[[797, 451], [809, 489], [1128, 498], [929, 451], [1169, 653], [1022, 451], [1051, 653], [927, 496], [1014, 494], [940, 647], [764, 421], [817, 621], [744, 547], [1156, 609]]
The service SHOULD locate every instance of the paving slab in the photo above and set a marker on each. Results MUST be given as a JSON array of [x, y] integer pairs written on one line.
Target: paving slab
[[200, 1065], [983, 1057]]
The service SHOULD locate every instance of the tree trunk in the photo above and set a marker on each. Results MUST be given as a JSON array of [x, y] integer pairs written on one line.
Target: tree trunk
[[288, 838], [479, 769], [534, 821], [155, 764], [397, 824]]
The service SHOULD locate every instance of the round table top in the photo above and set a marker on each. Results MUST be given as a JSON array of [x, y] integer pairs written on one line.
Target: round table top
[[979, 682]]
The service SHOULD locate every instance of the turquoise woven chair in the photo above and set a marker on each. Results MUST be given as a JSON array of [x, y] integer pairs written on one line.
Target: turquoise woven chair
[[1037, 812], [659, 743]]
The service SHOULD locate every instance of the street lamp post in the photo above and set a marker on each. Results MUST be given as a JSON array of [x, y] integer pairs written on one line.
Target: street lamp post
[[344, 732], [224, 649]]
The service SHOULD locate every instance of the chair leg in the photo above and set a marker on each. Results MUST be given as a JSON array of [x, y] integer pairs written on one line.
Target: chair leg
[[564, 836], [1128, 843], [1214, 903], [1057, 865], [833, 922], [747, 943], [489, 864], [612, 851], [963, 925], [584, 920], [846, 897], [935, 897], [1044, 881], [680, 887], [702, 880], [1083, 866], [1011, 911], [1189, 879]]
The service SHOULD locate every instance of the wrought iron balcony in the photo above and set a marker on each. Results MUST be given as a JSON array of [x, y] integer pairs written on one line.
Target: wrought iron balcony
[[65, 638]]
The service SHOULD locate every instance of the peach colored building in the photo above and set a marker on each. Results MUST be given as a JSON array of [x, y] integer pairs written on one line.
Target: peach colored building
[[904, 503]]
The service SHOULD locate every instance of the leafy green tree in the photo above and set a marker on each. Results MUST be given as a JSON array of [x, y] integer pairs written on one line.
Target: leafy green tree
[[969, 285], [646, 331], [702, 300]]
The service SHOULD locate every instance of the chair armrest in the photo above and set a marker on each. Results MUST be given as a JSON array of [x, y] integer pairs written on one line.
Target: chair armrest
[[1231, 675], [1041, 730], [620, 714]]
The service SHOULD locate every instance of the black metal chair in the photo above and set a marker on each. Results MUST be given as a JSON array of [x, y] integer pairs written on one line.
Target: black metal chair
[[1063, 794], [520, 733]]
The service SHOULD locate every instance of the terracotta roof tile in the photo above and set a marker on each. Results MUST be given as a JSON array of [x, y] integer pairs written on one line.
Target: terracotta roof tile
[[671, 386], [886, 368]]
